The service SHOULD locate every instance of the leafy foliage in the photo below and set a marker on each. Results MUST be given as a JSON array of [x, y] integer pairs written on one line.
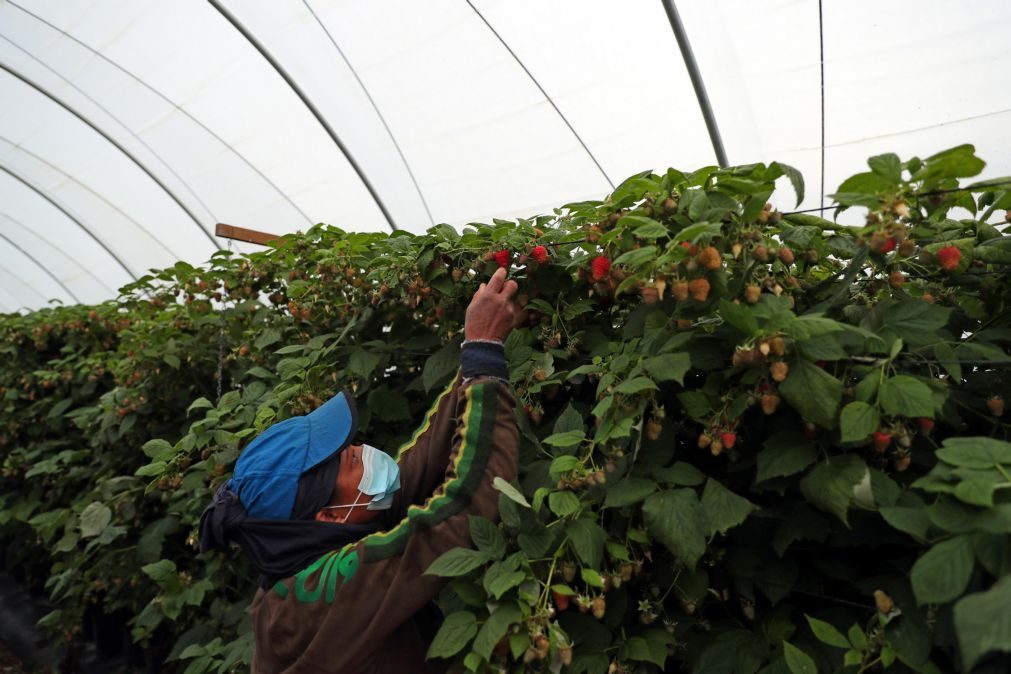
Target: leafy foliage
[[751, 441]]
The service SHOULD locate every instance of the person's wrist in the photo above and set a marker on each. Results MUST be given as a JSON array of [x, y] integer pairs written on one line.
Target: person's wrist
[[484, 357]]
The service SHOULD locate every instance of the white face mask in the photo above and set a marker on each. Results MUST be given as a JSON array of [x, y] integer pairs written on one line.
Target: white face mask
[[380, 480]]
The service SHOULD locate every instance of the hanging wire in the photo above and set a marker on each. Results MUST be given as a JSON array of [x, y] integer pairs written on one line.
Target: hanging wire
[[821, 61]]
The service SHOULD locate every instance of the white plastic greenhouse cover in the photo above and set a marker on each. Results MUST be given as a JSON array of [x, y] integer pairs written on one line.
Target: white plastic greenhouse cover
[[128, 128]]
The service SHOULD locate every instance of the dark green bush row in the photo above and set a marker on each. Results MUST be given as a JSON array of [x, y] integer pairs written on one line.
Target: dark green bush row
[[752, 442]]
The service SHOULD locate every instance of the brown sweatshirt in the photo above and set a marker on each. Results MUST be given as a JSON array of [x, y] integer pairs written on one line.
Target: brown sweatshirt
[[352, 611]]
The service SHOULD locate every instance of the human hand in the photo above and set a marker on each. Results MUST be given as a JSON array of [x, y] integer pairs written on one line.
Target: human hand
[[491, 313]]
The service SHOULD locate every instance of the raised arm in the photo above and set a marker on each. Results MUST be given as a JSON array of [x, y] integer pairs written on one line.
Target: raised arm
[[336, 614], [490, 317]]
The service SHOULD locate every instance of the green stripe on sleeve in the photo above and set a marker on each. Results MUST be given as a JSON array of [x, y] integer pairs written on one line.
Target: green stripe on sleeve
[[471, 463], [427, 423]]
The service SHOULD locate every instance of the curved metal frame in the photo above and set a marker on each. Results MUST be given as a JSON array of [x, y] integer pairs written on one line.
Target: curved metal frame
[[42, 267], [112, 116], [27, 285], [232, 19], [379, 114], [67, 213], [700, 88], [7, 216], [544, 93], [129, 155], [168, 100], [70, 178]]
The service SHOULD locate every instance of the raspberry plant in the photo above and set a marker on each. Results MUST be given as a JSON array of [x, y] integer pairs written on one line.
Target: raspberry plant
[[752, 441]]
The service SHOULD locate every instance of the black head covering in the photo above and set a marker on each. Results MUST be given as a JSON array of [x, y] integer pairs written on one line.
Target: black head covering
[[280, 548]]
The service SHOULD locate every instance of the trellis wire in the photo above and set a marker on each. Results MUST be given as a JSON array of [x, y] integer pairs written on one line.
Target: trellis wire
[[931, 193]]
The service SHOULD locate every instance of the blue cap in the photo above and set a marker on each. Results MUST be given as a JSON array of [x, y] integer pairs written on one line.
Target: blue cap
[[267, 473]]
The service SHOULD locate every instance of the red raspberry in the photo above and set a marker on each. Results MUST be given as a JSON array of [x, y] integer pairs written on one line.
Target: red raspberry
[[926, 425], [540, 254], [881, 440], [949, 257], [502, 258], [601, 267], [729, 439], [889, 245]]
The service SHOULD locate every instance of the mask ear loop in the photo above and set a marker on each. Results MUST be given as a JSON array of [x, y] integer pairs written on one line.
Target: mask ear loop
[[353, 505]]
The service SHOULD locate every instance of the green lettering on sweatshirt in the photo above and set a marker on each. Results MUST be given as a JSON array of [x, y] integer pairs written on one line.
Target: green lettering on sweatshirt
[[334, 564]]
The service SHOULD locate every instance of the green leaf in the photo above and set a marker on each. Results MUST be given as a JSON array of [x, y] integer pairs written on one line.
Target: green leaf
[[680, 473], [267, 337], [943, 572], [888, 166], [905, 396], [722, 509], [158, 450], [628, 491], [563, 464], [456, 562], [957, 162], [912, 319], [857, 638], [441, 365], [537, 540], [650, 230], [797, 660], [566, 439], [975, 452], [456, 632], [637, 256], [487, 537], [857, 421], [510, 491], [363, 362], [151, 469], [913, 521], [673, 518], [160, 571], [813, 392], [591, 578], [829, 485], [94, 519], [909, 635], [635, 385], [172, 360], [785, 453], [794, 176], [569, 420], [495, 628], [563, 503], [740, 317], [199, 404], [983, 623], [149, 546], [668, 367], [587, 540], [502, 576], [827, 633]]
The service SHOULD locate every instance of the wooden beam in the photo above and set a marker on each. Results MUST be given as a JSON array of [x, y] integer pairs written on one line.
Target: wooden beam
[[243, 234]]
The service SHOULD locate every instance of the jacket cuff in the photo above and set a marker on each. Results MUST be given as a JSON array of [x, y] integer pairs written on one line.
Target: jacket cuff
[[483, 358]]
